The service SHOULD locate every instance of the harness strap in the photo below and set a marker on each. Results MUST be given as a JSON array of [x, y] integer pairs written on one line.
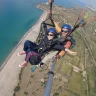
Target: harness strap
[[51, 3], [83, 11], [50, 14]]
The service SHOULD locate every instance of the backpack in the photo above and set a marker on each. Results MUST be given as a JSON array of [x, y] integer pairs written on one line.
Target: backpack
[[34, 59]]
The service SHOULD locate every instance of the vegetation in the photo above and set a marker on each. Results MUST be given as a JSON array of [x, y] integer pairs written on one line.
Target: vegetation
[[26, 93], [78, 83], [75, 75], [17, 88], [20, 74]]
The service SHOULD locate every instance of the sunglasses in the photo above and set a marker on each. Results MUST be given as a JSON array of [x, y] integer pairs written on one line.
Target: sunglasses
[[65, 31], [50, 34]]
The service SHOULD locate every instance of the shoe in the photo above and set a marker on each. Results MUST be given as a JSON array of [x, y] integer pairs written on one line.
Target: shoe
[[18, 54], [22, 65], [21, 53]]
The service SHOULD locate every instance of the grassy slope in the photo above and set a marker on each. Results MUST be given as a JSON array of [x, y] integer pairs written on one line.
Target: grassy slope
[[67, 82], [77, 82]]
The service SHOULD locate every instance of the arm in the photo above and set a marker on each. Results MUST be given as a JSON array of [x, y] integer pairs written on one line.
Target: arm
[[58, 47], [45, 28], [70, 52], [58, 29], [62, 53], [67, 46]]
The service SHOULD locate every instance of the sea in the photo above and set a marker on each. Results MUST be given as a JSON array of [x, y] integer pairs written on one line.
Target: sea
[[17, 17]]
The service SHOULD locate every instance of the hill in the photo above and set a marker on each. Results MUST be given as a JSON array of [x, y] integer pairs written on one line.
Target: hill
[[74, 75]]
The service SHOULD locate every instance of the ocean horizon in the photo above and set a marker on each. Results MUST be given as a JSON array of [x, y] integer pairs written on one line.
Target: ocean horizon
[[17, 17]]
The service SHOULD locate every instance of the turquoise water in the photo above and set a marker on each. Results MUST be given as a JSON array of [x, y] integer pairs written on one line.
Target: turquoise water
[[69, 3], [16, 18]]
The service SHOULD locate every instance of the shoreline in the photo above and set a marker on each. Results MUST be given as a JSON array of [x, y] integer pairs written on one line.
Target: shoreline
[[4, 63], [10, 70]]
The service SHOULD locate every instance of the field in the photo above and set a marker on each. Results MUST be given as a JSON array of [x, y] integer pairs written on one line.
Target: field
[[74, 75]]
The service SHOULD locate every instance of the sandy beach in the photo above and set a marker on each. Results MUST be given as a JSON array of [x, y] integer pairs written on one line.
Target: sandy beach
[[10, 69]]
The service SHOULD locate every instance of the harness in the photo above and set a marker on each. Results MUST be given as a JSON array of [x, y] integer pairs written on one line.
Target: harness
[[59, 40]]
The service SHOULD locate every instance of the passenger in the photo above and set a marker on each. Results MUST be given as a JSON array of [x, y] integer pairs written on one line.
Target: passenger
[[35, 53], [64, 32]]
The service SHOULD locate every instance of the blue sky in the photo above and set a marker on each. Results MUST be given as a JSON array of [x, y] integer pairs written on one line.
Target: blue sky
[[90, 2]]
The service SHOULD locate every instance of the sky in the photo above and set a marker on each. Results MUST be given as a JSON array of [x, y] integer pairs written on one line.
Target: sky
[[90, 2]]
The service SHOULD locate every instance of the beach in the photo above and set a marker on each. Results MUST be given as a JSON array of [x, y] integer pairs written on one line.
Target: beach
[[29, 83], [10, 69]]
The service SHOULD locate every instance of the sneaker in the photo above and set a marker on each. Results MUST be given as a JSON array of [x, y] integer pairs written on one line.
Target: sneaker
[[18, 54], [21, 53], [22, 65]]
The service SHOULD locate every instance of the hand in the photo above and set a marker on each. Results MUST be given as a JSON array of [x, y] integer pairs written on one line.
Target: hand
[[70, 52], [56, 57]]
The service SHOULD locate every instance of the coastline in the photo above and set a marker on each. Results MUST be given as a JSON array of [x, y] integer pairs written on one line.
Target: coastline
[[29, 83], [10, 70], [4, 63]]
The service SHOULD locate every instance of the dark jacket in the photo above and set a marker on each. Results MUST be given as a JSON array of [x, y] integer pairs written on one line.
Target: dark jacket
[[47, 45]]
